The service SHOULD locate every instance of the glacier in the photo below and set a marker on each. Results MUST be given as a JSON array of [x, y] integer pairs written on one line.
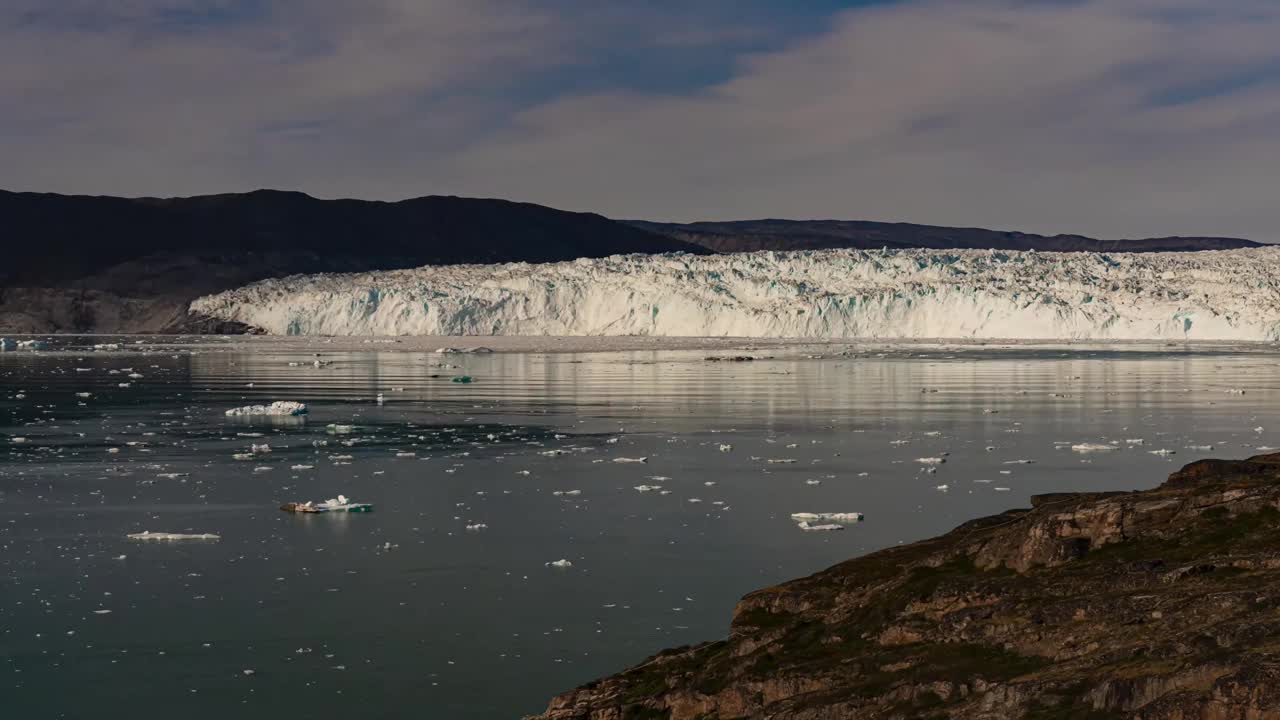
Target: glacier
[[1230, 295]]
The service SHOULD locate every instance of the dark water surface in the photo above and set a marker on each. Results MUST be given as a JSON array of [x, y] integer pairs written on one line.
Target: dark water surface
[[403, 612]]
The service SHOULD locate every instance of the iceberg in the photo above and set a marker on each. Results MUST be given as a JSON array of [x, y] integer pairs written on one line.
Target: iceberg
[[827, 517], [147, 535], [281, 408], [1224, 295]]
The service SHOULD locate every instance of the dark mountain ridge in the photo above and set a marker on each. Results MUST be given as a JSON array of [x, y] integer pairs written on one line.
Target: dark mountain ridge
[[107, 264], [776, 234]]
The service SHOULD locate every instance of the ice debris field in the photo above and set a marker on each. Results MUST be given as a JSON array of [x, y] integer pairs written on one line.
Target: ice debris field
[[1229, 295]]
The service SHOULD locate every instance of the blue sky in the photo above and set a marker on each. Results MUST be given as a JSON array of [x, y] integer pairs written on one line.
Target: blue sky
[[1115, 118]]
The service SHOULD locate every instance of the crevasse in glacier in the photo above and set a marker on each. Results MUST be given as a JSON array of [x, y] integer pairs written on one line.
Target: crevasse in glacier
[[1222, 295]]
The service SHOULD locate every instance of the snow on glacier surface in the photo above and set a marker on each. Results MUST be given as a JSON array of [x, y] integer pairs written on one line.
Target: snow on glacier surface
[[1221, 295]]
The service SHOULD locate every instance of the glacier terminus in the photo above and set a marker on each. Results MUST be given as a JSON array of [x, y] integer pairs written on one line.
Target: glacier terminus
[[1229, 295]]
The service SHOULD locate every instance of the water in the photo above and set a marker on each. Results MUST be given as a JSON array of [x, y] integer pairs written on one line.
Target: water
[[404, 613]]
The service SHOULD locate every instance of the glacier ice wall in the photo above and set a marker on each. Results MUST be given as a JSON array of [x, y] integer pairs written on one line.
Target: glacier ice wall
[[1223, 295]]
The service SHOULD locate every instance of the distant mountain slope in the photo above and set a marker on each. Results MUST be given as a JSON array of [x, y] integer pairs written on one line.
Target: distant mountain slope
[[76, 263], [753, 235]]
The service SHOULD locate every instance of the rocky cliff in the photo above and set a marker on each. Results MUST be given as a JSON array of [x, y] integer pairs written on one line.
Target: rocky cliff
[[1161, 604]]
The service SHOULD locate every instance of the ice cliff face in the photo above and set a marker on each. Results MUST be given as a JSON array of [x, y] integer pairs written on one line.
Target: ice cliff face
[[1226, 295]]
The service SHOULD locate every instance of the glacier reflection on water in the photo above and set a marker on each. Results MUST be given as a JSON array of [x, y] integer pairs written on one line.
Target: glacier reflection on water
[[407, 612]]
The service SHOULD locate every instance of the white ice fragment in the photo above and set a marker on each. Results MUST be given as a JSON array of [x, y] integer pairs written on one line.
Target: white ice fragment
[[827, 517], [280, 408], [1092, 447], [561, 564], [631, 460], [931, 460], [810, 527], [148, 535]]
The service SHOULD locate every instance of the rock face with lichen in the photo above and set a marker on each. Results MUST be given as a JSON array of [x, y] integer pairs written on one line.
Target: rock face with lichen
[[1161, 604]]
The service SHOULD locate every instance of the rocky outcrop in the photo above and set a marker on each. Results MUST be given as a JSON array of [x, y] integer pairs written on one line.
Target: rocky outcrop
[[1154, 605]]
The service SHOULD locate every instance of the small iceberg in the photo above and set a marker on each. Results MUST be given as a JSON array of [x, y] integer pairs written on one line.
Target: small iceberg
[[281, 408], [339, 504], [1092, 447], [148, 535], [828, 527], [827, 517]]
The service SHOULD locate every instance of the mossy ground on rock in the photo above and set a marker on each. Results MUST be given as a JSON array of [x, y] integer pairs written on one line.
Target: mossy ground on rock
[[1147, 605]]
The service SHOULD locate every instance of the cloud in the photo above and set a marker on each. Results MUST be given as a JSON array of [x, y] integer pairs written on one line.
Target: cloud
[[1116, 117], [1111, 117]]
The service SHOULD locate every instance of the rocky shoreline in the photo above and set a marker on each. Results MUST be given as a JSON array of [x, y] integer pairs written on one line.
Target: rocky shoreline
[[1159, 604]]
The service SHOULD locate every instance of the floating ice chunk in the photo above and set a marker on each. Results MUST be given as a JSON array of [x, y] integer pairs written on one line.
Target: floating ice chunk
[[107, 346], [1135, 441], [1019, 462], [280, 408], [1162, 452], [475, 527], [339, 504], [260, 449], [102, 612], [725, 447], [33, 345], [303, 467], [810, 527], [559, 493], [647, 488], [781, 461], [1200, 448], [1092, 447], [342, 503], [561, 564], [148, 535], [8, 344], [631, 460], [943, 488], [931, 460], [827, 517]]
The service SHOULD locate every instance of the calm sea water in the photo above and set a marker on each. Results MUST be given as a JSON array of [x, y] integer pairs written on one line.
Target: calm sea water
[[403, 612]]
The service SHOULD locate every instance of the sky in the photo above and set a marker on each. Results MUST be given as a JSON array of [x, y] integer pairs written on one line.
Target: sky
[[1114, 118]]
